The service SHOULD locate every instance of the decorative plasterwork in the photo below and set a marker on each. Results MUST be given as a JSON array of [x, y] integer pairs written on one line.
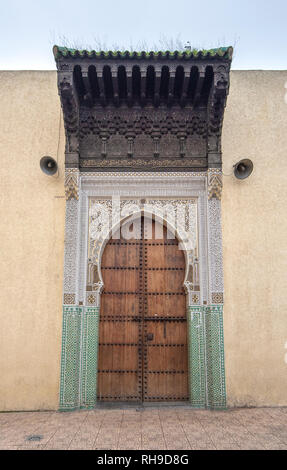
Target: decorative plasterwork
[[214, 184], [142, 185], [71, 184], [71, 237], [215, 236], [180, 216]]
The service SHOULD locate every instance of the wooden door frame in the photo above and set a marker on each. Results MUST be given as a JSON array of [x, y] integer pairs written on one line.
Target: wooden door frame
[[81, 307]]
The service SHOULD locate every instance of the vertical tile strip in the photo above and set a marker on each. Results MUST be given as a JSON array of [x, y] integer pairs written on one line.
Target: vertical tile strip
[[196, 357], [214, 309], [69, 386], [215, 356], [90, 336]]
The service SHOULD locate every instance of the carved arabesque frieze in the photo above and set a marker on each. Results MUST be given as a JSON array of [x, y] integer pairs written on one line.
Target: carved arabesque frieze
[[135, 135], [139, 163], [131, 123]]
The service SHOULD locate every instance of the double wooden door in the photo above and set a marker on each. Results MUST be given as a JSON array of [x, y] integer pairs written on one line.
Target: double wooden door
[[143, 333]]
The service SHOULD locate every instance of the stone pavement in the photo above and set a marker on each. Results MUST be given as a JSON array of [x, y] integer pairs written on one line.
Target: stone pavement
[[177, 427]]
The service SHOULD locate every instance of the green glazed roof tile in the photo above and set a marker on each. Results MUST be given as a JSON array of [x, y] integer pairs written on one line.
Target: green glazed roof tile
[[221, 52]]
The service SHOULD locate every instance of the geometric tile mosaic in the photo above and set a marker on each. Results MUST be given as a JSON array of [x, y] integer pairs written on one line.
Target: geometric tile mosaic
[[196, 357], [80, 357], [69, 299], [70, 359], [89, 356], [206, 357], [217, 298], [215, 356]]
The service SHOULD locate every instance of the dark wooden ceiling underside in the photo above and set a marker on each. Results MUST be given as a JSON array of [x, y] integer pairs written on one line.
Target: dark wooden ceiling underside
[[149, 86]]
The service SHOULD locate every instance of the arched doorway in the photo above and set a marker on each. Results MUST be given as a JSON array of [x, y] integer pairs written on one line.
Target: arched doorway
[[143, 327]]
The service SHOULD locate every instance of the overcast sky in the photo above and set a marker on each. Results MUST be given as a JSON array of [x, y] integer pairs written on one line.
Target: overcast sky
[[257, 28]]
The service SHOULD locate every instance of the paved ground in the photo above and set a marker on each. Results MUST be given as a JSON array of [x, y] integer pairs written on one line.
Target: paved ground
[[149, 428]]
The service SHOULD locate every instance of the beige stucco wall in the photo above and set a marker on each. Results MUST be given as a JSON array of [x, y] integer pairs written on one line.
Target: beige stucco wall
[[255, 239], [32, 241]]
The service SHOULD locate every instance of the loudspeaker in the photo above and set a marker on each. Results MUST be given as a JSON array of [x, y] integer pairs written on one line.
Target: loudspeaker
[[243, 169], [48, 165]]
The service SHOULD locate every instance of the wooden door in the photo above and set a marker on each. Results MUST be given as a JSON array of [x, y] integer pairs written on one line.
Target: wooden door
[[143, 334]]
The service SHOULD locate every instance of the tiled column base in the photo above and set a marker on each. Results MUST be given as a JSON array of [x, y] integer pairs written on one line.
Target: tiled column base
[[80, 357], [206, 357], [70, 360], [215, 356], [196, 357], [89, 357]]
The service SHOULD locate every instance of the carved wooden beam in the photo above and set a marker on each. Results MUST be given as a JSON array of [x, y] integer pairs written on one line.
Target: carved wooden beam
[[115, 85], [171, 87], [70, 106], [143, 71], [156, 98], [198, 89], [88, 96], [183, 98], [216, 105], [103, 98], [129, 86]]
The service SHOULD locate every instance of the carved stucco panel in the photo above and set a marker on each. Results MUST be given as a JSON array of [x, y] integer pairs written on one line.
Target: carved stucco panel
[[179, 213]]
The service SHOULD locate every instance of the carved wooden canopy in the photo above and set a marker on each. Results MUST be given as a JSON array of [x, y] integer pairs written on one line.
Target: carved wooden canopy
[[143, 111]]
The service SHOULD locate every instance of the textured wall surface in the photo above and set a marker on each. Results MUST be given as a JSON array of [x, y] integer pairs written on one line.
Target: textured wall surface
[[255, 240], [32, 241]]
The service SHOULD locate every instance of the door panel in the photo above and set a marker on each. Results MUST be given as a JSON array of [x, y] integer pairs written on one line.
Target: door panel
[[143, 335], [118, 333], [166, 387], [166, 305], [118, 386], [114, 356], [122, 254], [167, 332], [122, 280], [119, 305], [164, 282], [165, 348], [164, 256]]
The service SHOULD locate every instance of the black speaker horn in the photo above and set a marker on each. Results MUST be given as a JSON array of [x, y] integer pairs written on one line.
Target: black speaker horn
[[48, 165], [243, 169]]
